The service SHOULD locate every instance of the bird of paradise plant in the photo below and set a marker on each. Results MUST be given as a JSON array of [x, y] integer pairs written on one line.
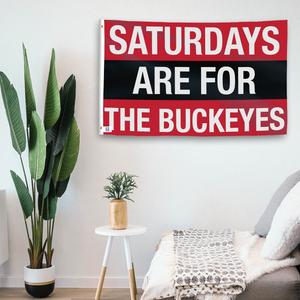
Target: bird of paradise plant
[[53, 147]]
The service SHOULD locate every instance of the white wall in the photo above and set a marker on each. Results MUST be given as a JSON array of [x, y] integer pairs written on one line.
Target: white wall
[[183, 182]]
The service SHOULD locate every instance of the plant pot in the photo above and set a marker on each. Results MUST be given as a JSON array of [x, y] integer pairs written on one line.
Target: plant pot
[[39, 283], [118, 214]]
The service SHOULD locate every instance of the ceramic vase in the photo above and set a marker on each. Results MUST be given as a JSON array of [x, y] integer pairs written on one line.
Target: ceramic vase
[[118, 214], [39, 283]]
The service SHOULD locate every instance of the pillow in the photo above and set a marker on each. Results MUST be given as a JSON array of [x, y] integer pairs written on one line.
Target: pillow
[[284, 235], [263, 226]]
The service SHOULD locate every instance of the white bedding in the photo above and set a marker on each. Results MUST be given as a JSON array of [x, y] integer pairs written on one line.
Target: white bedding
[[159, 281]]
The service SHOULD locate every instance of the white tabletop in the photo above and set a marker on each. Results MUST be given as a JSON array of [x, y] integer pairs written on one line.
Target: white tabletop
[[130, 230]]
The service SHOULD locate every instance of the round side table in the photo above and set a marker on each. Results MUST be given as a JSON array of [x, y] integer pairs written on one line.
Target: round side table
[[125, 233]]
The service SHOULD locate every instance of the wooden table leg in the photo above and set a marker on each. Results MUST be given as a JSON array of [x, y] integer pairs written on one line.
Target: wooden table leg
[[135, 289], [132, 284], [130, 268], [104, 267], [100, 284]]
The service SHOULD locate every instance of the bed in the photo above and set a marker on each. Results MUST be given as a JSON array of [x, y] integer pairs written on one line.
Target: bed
[[282, 284], [269, 256]]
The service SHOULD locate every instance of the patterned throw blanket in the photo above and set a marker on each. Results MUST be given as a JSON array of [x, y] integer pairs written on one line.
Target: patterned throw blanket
[[206, 262]]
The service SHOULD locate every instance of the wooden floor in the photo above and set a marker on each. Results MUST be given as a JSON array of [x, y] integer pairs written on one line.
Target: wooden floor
[[70, 294]]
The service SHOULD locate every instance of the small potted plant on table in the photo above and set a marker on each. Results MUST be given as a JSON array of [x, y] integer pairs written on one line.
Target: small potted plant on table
[[121, 185]]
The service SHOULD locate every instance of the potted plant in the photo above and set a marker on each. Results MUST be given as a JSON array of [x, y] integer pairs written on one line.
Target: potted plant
[[53, 147], [121, 185]]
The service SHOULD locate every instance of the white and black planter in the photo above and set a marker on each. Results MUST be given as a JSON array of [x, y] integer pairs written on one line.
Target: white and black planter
[[39, 283]]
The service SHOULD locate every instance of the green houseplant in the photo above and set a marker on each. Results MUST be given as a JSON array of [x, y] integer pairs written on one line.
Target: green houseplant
[[120, 188], [53, 147]]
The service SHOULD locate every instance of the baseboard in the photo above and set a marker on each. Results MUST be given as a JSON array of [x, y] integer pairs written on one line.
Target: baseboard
[[90, 282]]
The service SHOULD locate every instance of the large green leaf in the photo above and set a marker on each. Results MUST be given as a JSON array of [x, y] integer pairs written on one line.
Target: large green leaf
[[52, 103], [23, 194], [61, 187], [67, 96], [29, 95], [13, 113], [52, 133], [59, 131], [43, 184], [47, 206], [65, 161], [37, 147], [51, 205]]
